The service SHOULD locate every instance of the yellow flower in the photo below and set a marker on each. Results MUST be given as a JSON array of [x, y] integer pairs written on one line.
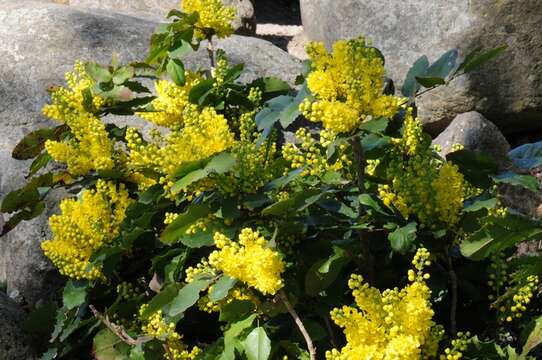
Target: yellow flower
[[89, 148], [249, 260], [84, 226], [347, 86], [420, 183], [393, 324], [214, 17], [203, 133], [156, 326]]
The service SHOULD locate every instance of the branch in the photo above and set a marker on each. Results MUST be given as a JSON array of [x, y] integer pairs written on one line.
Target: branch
[[453, 285], [118, 330], [299, 323], [211, 50], [359, 162]]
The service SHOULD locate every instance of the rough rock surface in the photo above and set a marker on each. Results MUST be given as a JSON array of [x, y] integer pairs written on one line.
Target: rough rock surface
[[157, 9], [476, 133], [40, 42], [13, 341], [508, 91]]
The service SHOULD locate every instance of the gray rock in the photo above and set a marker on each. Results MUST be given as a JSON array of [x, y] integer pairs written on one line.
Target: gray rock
[[14, 344], [40, 42], [476, 133], [508, 91], [158, 9]]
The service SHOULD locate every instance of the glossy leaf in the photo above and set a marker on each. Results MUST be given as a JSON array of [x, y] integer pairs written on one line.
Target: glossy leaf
[[175, 69], [402, 239], [187, 296], [419, 68], [257, 345]]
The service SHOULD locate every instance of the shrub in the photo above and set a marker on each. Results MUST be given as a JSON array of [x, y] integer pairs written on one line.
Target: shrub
[[210, 237]]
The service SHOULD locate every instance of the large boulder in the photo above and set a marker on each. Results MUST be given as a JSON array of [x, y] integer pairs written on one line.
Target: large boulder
[[40, 42], [508, 91], [474, 132], [158, 9], [14, 343]]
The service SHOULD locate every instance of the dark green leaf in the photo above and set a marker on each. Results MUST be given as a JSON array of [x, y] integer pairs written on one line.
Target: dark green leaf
[[535, 336], [296, 202], [152, 194], [39, 163], [257, 345], [324, 272], [444, 65], [75, 294], [430, 82], [199, 92], [162, 300], [187, 296], [219, 164], [236, 310], [175, 69], [230, 336], [375, 125], [221, 288], [23, 215], [402, 239], [481, 204], [175, 231], [33, 143], [281, 182], [500, 233], [419, 68], [27, 196], [472, 61], [475, 166], [526, 181]]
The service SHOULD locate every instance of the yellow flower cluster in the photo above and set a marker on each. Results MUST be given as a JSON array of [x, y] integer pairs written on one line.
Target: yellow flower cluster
[[85, 225], [89, 147], [420, 183], [459, 345], [253, 167], [214, 17], [171, 100], [347, 85], [393, 324], [203, 134], [311, 154], [249, 260], [156, 326]]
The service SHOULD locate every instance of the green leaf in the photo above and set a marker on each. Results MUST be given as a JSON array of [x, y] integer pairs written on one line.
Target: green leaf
[[429, 82], [174, 231], [107, 346], [34, 142], [526, 181], [199, 92], [475, 166], [444, 65], [372, 202], [175, 69], [152, 194], [402, 239], [187, 296], [500, 233], [162, 300], [219, 164], [281, 182], [375, 125], [28, 196], [34, 211], [473, 60], [75, 294], [527, 156], [257, 345], [419, 68], [481, 204], [98, 73], [535, 336], [39, 163], [221, 288], [324, 271], [230, 336], [236, 310], [296, 202], [122, 74]]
